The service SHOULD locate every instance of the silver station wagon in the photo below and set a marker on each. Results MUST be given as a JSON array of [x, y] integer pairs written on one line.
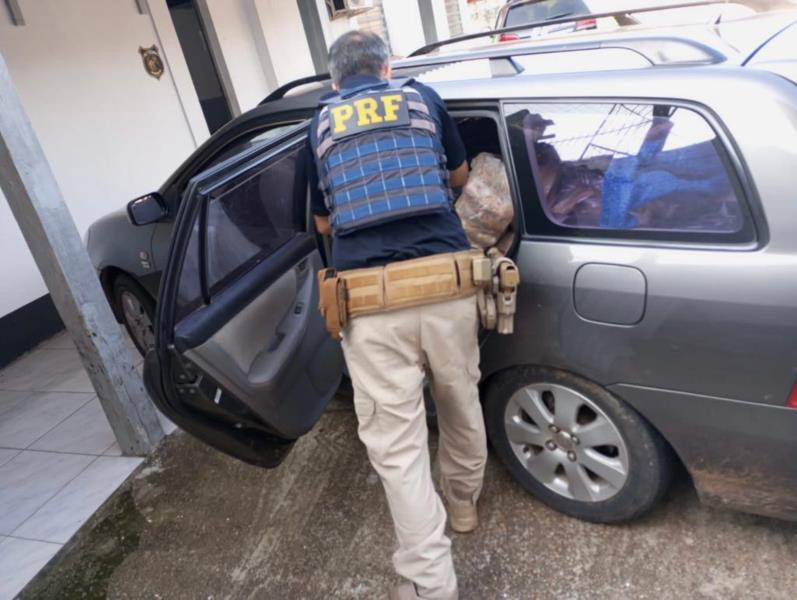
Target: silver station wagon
[[654, 176]]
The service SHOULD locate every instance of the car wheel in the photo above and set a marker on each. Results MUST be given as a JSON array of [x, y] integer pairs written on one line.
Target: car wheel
[[575, 446], [137, 310]]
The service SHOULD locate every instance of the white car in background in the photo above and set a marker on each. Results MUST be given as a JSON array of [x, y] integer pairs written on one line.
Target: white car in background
[[568, 16]]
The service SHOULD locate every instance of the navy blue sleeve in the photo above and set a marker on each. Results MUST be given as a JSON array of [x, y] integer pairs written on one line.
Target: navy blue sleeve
[[317, 205], [449, 132]]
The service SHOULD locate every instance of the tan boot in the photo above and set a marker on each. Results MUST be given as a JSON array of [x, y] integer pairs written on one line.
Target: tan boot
[[463, 518]]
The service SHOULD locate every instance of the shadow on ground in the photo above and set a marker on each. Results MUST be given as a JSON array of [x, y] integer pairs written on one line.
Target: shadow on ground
[[192, 523]]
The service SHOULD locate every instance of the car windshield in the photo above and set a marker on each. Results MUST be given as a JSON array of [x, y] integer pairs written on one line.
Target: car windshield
[[532, 12]]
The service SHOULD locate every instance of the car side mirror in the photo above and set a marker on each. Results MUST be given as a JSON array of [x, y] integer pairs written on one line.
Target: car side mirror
[[147, 209]]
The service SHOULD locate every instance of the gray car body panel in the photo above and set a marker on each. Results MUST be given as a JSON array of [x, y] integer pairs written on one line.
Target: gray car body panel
[[719, 335], [115, 243], [712, 358], [740, 454]]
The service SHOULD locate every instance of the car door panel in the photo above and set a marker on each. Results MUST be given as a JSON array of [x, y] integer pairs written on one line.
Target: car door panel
[[243, 360], [198, 327], [254, 446], [294, 363]]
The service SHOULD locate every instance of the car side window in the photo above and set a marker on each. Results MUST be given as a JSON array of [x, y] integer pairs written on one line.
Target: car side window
[[625, 169], [251, 217], [248, 140]]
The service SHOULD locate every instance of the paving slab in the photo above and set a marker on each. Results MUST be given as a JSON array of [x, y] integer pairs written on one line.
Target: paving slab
[[30, 479], [86, 431], [47, 370], [19, 561], [35, 414], [193, 523], [7, 454], [62, 515]]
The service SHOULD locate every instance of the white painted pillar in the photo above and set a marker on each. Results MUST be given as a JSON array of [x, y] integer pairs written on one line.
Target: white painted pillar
[[284, 40], [404, 26], [38, 206]]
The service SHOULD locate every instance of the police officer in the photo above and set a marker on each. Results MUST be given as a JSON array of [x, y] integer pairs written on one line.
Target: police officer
[[385, 155]]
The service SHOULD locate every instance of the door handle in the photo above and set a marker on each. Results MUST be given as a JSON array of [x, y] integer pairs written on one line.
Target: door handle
[[276, 341]]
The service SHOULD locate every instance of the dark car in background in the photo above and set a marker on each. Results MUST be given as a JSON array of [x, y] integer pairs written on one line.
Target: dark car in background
[[656, 236]]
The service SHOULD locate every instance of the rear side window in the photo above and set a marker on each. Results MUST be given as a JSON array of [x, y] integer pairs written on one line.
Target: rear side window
[[624, 170], [252, 216]]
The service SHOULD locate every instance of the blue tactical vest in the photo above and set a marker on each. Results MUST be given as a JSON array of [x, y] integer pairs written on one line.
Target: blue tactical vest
[[378, 157]]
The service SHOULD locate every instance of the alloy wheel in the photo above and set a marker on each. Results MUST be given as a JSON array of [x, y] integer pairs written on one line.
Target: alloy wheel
[[566, 442], [137, 320]]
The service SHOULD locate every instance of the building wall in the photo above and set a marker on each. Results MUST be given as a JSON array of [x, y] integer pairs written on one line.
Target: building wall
[[242, 46], [109, 130], [333, 29], [483, 14], [404, 26], [112, 132], [283, 32]]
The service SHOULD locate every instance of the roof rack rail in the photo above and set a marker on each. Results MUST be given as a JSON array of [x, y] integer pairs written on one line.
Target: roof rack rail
[[282, 90], [502, 66], [557, 21], [652, 49], [657, 50]]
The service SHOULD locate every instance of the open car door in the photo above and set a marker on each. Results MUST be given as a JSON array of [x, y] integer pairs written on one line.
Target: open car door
[[242, 358]]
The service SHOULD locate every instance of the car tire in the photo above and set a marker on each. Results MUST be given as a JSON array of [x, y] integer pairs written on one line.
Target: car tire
[[605, 463], [137, 310]]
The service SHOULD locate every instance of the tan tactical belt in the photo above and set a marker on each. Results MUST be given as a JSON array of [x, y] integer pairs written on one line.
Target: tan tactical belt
[[493, 278], [347, 294]]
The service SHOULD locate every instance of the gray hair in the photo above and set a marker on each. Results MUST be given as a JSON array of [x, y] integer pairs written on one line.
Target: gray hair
[[357, 53]]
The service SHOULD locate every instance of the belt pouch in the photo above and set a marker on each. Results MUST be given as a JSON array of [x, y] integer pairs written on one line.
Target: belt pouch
[[332, 301]]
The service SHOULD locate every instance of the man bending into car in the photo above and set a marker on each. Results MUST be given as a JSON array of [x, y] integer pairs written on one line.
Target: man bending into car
[[385, 154]]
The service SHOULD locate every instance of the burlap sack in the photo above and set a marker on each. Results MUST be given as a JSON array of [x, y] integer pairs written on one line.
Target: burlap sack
[[485, 206]]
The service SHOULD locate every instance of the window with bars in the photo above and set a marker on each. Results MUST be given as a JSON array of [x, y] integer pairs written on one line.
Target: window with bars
[[626, 167]]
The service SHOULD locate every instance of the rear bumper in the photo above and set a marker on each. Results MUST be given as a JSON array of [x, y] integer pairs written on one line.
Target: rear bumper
[[740, 455]]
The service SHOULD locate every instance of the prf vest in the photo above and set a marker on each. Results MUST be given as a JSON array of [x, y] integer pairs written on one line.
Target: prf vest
[[378, 157]]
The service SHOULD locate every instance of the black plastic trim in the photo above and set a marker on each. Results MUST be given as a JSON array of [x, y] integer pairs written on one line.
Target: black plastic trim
[[26, 326], [249, 445], [284, 89]]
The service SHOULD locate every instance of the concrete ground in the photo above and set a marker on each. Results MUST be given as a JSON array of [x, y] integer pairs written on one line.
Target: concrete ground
[[193, 523]]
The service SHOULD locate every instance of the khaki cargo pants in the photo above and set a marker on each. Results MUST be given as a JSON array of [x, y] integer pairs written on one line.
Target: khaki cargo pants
[[388, 356]]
